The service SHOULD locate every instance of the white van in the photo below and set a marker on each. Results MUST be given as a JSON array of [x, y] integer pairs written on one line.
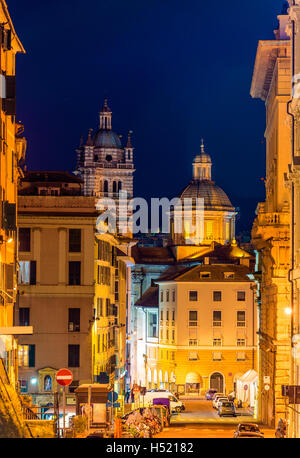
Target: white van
[[175, 404]]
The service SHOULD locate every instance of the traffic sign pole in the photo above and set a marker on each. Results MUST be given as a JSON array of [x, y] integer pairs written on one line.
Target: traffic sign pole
[[64, 378], [64, 411]]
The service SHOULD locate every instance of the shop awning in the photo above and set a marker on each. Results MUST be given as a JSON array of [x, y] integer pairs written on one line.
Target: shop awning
[[249, 377]]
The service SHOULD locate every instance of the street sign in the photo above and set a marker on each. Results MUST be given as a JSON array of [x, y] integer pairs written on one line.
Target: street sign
[[267, 380], [112, 396], [267, 387], [64, 377], [115, 404]]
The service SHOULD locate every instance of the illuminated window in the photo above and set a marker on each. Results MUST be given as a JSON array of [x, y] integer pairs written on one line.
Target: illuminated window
[[26, 355], [27, 272], [217, 342], [193, 342], [209, 230], [228, 275], [241, 342]]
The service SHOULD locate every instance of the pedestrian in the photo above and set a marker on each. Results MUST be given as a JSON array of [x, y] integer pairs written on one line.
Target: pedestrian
[[127, 395], [132, 395]]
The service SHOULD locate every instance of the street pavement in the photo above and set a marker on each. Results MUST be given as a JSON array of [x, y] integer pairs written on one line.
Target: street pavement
[[200, 420]]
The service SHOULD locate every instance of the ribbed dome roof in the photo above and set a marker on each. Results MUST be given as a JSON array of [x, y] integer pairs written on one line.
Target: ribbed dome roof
[[107, 139], [214, 197]]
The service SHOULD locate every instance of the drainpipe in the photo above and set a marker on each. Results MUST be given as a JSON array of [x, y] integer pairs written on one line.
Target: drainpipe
[[293, 215]]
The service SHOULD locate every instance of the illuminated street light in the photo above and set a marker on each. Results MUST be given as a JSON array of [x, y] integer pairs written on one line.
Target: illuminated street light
[[288, 311]]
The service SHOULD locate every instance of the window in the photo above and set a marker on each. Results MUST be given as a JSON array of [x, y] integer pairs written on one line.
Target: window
[[152, 325], [26, 355], [168, 296], [99, 307], [193, 356], [193, 296], [193, 342], [167, 315], [241, 296], [217, 296], [217, 318], [241, 356], [161, 296], [217, 356], [241, 319], [73, 355], [24, 239], [74, 320], [173, 317], [173, 336], [24, 314], [167, 334], [193, 318], [228, 275], [74, 240], [27, 272], [205, 275], [161, 315], [74, 272], [217, 342], [173, 295], [241, 342]]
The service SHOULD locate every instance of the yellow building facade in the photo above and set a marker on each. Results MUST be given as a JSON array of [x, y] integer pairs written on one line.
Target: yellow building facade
[[271, 229], [12, 153]]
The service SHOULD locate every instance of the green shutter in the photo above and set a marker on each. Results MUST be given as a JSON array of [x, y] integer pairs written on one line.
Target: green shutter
[[31, 356]]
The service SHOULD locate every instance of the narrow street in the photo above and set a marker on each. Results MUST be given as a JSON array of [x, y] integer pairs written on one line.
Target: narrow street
[[200, 420]]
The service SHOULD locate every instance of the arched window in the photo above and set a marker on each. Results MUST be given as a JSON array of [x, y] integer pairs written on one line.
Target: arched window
[[47, 383], [120, 186], [115, 187]]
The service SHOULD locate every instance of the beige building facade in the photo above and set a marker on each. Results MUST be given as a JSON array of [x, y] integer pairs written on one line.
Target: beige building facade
[[204, 332]]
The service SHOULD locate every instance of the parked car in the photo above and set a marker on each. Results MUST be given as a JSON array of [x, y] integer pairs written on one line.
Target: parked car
[[217, 394], [227, 409], [210, 394], [248, 430], [218, 401]]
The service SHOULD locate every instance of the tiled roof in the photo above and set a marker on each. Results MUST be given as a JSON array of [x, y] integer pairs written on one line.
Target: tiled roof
[[149, 298], [192, 274], [46, 176]]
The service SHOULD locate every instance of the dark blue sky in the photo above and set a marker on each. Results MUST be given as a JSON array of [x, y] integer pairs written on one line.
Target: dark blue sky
[[174, 71]]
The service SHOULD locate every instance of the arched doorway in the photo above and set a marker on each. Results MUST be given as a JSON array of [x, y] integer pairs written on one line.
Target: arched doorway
[[193, 383], [217, 382]]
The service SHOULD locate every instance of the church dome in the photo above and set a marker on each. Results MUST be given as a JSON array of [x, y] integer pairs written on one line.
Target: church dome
[[214, 197], [202, 158], [107, 139]]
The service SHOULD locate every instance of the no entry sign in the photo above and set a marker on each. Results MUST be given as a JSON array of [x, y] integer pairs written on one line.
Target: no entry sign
[[64, 377]]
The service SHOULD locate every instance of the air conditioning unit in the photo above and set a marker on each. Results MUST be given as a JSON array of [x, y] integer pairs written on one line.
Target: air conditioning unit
[[71, 327]]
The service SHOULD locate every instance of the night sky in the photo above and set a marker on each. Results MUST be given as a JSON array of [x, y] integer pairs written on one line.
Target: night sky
[[174, 71]]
